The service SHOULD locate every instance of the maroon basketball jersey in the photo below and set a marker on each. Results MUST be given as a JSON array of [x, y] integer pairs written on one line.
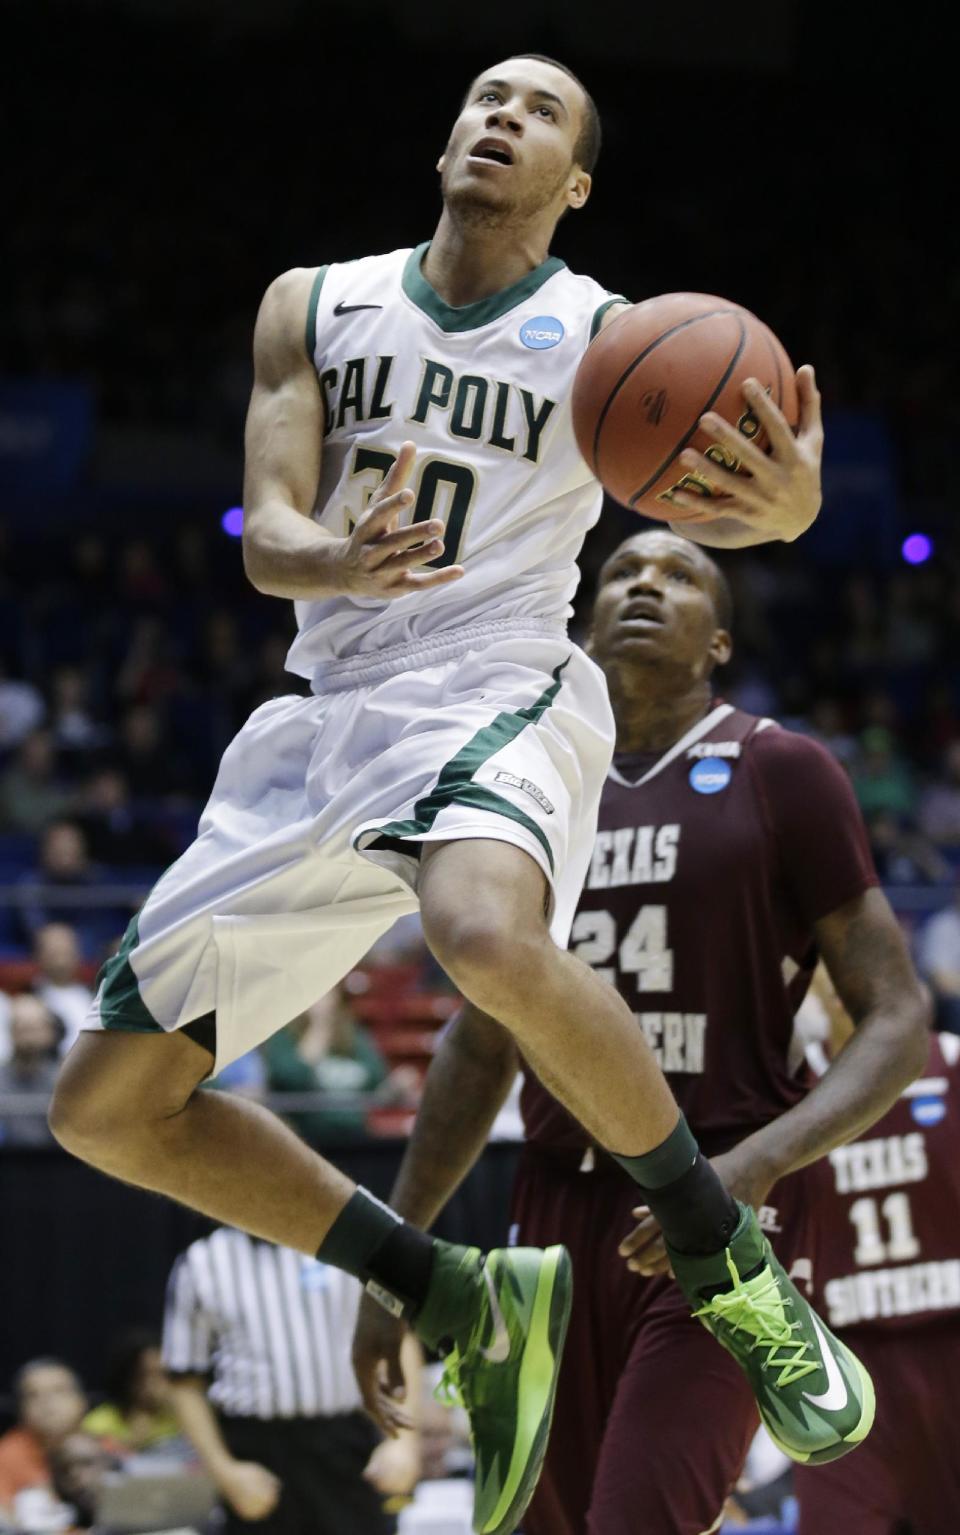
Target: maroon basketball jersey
[[707, 877], [888, 1209]]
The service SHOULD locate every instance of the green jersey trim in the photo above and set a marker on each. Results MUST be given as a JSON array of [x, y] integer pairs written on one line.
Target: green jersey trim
[[598, 314], [121, 1005], [455, 784], [310, 334], [471, 316]]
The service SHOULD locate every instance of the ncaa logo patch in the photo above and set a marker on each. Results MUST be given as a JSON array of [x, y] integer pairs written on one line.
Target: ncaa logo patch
[[927, 1111], [544, 331], [710, 775]]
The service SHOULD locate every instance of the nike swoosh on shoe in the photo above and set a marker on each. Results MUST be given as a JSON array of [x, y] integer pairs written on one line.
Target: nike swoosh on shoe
[[836, 1393], [497, 1352]]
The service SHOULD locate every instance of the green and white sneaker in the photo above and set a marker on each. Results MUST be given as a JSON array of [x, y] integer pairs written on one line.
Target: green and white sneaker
[[815, 1397], [500, 1322]]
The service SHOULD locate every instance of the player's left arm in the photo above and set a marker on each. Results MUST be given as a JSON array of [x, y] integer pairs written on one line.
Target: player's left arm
[[867, 960]]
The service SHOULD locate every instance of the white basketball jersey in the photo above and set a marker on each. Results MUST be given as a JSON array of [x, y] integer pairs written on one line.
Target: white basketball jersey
[[484, 392]]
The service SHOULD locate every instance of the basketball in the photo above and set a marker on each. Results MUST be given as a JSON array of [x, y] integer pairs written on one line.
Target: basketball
[[646, 380]]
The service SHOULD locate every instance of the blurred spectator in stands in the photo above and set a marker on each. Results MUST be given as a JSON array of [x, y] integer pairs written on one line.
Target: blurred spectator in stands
[[59, 982], [939, 960], [224, 665], [864, 639], [882, 780], [30, 790], [74, 729], [35, 1036], [148, 673], [827, 725], [90, 570], [151, 763], [327, 1050], [78, 1466], [939, 813], [140, 580], [910, 635], [54, 891], [137, 1415], [118, 832], [902, 855], [942, 722], [21, 709], [50, 1404]]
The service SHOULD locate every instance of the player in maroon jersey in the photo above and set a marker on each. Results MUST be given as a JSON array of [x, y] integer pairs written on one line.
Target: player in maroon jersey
[[888, 1277], [729, 852]]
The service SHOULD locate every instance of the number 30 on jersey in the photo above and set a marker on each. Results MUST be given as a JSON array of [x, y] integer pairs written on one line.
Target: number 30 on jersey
[[442, 489]]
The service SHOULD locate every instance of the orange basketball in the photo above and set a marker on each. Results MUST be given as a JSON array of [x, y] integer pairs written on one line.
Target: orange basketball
[[650, 375]]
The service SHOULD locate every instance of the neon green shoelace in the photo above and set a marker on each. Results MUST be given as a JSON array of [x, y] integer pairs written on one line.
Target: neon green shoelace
[[759, 1312], [449, 1388]]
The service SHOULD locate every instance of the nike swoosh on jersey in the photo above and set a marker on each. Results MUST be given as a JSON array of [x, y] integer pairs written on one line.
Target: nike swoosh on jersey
[[497, 1352], [835, 1395], [352, 308]]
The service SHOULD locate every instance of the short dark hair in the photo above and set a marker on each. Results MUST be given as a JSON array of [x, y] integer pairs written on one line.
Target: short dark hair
[[586, 151]]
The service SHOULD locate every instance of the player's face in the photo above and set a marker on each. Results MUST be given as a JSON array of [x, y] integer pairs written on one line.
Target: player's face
[[655, 603], [510, 152]]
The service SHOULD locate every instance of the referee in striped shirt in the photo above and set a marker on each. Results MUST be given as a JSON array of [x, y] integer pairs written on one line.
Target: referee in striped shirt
[[257, 1341]]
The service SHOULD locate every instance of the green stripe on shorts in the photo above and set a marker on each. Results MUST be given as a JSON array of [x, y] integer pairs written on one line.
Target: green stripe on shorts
[[121, 1005], [455, 784]]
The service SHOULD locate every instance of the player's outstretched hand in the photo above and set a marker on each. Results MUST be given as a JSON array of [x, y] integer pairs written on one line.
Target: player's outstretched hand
[[378, 1367], [781, 496], [381, 559]]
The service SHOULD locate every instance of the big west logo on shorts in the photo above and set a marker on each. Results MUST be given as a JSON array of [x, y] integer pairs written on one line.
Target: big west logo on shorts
[[502, 415]]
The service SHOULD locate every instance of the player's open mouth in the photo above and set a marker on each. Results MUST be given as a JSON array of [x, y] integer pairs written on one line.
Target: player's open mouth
[[642, 612], [492, 152]]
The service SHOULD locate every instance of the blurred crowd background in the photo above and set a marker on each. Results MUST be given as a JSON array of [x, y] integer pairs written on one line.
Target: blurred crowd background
[[202, 148]]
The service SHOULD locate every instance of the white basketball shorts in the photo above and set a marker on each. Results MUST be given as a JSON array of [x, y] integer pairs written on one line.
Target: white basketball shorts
[[305, 853]]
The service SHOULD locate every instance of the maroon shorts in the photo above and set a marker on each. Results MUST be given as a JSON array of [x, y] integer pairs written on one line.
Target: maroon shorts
[[653, 1419], [905, 1477]]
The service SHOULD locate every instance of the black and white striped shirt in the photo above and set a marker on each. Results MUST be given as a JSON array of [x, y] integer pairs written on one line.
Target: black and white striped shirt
[[273, 1328]]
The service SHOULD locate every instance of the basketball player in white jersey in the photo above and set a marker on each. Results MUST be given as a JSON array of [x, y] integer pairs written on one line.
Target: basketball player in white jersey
[[413, 483]]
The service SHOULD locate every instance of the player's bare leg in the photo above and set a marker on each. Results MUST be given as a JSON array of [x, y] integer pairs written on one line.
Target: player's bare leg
[[129, 1104], [482, 904]]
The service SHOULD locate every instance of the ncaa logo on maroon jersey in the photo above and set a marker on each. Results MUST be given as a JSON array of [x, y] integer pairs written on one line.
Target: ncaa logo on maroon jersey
[[928, 1110], [710, 775]]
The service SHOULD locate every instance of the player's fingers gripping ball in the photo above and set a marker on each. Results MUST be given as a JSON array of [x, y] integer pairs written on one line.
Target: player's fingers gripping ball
[[646, 380]]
